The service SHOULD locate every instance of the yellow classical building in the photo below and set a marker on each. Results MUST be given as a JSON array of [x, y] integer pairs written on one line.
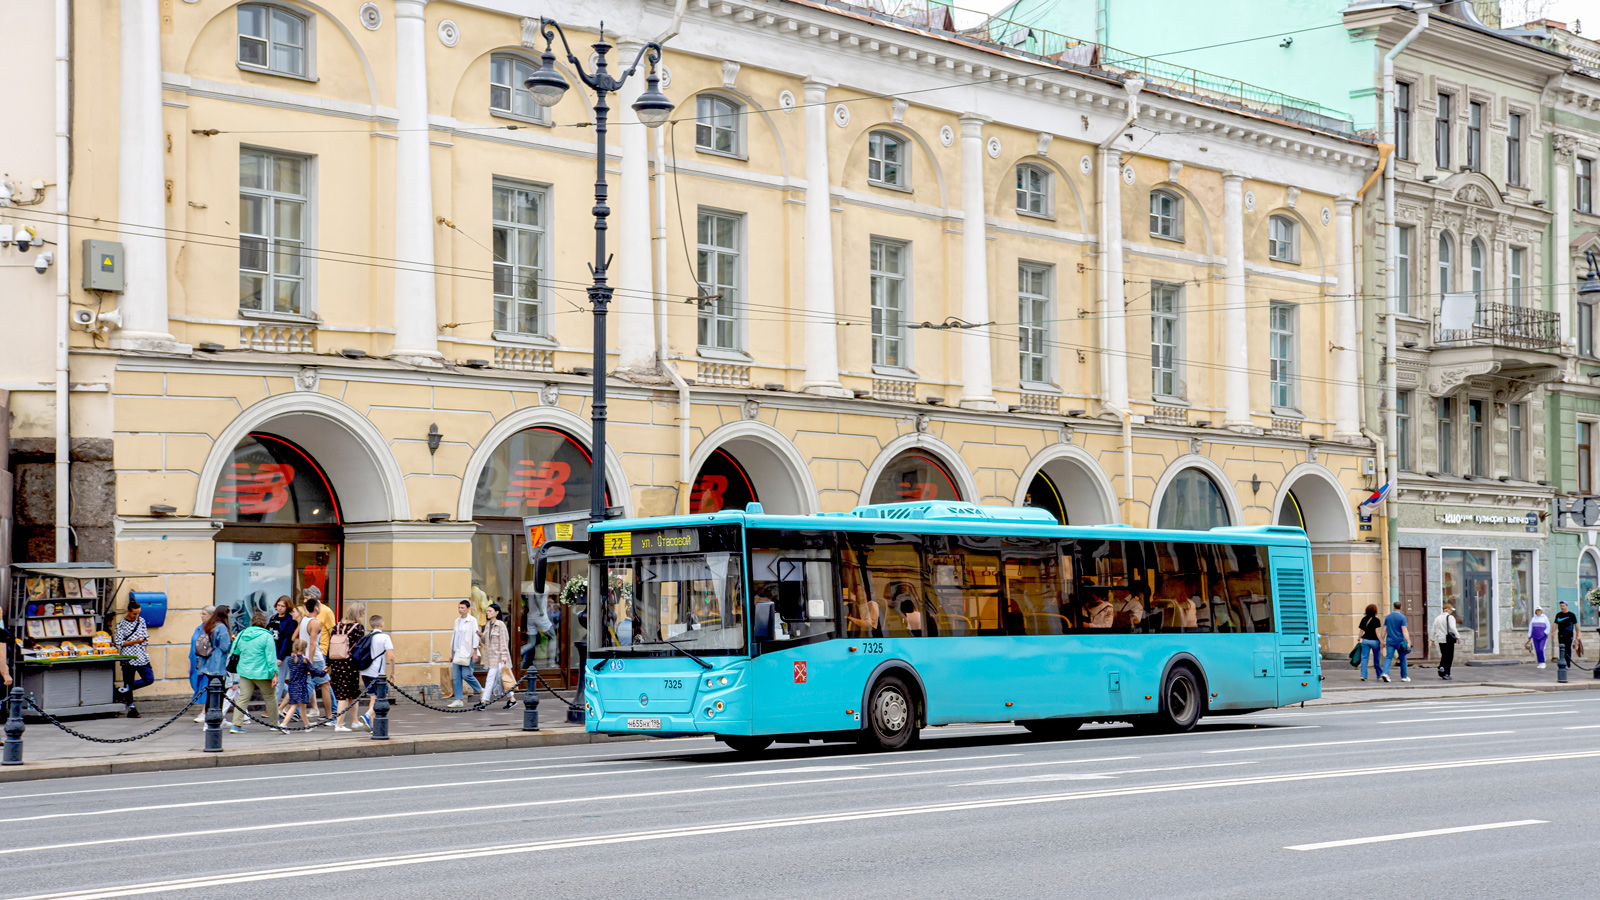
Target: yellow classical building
[[867, 259]]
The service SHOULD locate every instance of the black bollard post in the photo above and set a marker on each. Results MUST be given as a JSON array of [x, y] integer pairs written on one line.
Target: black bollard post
[[380, 709], [1561, 669], [214, 691], [530, 705], [14, 727]]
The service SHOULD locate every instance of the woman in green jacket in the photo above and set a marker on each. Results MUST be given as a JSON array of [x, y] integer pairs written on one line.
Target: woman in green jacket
[[257, 651]]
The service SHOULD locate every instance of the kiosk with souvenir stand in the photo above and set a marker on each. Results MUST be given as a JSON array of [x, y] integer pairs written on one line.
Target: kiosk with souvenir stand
[[61, 617]]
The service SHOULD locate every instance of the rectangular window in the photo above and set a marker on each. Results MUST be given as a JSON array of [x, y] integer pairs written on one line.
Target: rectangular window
[[1402, 120], [1585, 457], [1522, 580], [1033, 322], [273, 219], [1248, 589], [1514, 149], [508, 95], [718, 236], [1034, 588], [1585, 328], [519, 257], [1475, 136], [1514, 266], [1585, 185], [1282, 355], [1402, 429], [1477, 437], [272, 40], [1165, 329], [1110, 597], [888, 265], [1402, 268], [1447, 435], [886, 160], [1516, 440], [794, 571], [716, 125], [1441, 133]]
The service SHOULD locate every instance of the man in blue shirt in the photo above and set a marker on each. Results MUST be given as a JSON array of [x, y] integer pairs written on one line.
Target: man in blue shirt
[[1397, 638]]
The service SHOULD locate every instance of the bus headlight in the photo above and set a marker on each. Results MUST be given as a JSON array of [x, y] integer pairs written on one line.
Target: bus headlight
[[722, 681], [709, 713], [709, 682]]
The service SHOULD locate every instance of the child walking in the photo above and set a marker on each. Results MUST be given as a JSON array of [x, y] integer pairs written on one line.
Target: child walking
[[297, 678]]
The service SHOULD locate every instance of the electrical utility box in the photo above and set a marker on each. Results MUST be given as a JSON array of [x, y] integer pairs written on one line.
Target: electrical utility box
[[102, 266]]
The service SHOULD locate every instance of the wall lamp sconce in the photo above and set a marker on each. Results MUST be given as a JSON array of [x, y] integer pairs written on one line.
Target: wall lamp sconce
[[162, 509], [1255, 484], [434, 437]]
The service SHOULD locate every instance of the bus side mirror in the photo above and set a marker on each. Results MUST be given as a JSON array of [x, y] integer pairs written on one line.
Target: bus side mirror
[[762, 626], [538, 568]]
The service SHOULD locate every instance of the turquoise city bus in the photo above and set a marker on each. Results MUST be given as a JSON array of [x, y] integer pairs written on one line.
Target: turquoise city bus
[[872, 624]]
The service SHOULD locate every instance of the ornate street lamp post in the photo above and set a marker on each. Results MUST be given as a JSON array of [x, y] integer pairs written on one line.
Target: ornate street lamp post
[[547, 87]]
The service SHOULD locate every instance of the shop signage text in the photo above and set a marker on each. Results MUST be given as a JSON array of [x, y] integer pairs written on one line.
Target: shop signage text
[[1529, 518]]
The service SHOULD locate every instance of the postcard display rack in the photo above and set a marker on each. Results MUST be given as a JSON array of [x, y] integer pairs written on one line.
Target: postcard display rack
[[61, 616]]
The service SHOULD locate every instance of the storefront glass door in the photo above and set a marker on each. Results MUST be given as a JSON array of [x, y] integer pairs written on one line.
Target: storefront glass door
[[1469, 584]]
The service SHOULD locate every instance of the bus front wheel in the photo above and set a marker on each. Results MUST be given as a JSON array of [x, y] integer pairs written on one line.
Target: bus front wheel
[[1181, 701], [891, 715]]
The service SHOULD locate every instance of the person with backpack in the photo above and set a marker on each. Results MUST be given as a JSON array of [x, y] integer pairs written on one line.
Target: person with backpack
[[254, 658], [373, 651], [345, 674], [1445, 635]]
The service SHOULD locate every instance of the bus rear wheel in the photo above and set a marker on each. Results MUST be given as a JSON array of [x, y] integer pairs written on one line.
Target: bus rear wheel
[[1181, 701], [747, 745], [1052, 728], [891, 715]]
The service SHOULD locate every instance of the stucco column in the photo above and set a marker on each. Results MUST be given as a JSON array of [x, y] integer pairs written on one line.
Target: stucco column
[[1114, 327], [1235, 324], [141, 182], [821, 335], [1346, 391], [1562, 202], [416, 314], [632, 302], [977, 374]]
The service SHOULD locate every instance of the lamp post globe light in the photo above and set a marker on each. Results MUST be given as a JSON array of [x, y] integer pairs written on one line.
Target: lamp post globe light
[[547, 87]]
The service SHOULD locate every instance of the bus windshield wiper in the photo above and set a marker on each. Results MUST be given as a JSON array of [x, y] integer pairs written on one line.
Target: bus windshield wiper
[[674, 645]]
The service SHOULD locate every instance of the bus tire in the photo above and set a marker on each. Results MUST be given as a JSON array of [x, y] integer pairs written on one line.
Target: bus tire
[[891, 714], [1182, 701], [745, 744], [1052, 728]]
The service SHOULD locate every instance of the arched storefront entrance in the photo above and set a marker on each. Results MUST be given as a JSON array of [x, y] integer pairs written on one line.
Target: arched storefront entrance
[[1192, 500], [545, 474], [1314, 500], [282, 532], [750, 461], [914, 475], [721, 484], [1065, 481]]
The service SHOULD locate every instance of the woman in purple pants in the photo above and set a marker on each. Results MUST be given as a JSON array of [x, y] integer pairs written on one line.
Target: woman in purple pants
[[1538, 633]]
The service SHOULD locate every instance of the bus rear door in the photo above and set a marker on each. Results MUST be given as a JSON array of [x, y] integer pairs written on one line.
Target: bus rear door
[[1297, 647]]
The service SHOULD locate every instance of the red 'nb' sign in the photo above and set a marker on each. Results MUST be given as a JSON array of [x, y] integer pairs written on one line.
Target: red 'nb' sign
[[800, 671]]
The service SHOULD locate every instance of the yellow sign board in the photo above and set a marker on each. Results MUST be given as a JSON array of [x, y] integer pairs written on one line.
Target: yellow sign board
[[562, 530], [619, 543]]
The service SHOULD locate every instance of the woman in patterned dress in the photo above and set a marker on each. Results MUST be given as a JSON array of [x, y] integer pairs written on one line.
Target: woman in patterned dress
[[344, 672]]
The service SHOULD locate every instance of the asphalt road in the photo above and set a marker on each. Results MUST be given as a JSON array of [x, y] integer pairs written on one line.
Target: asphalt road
[[1296, 803]]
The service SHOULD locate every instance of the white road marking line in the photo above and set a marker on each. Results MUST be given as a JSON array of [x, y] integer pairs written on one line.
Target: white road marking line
[[1424, 737], [1034, 779], [1432, 832], [1579, 727], [1077, 777], [768, 762], [1134, 737], [857, 767], [1562, 712], [310, 870]]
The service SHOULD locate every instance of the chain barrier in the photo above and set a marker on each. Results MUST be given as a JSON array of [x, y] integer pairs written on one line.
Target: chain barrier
[[123, 740], [570, 704], [478, 707], [325, 723]]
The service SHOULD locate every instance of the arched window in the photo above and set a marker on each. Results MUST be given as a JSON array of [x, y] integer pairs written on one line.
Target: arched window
[[1166, 215], [1477, 281], [1283, 239], [1033, 191], [1588, 580], [717, 122], [914, 475], [274, 39], [888, 160], [537, 471], [1447, 254], [507, 95], [1192, 502]]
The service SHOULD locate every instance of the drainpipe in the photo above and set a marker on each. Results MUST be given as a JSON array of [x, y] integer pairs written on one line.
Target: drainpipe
[[1113, 388], [1391, 509], [63, 284], [659, 239]]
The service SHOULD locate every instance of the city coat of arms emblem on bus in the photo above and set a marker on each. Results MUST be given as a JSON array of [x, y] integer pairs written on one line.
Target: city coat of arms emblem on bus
[[800, 671]]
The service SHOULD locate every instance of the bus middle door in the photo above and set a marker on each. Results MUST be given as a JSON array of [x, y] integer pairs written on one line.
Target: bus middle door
[[800, 676]]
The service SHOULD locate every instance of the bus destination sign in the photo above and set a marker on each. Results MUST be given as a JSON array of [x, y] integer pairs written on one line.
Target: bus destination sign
[[652, 543]]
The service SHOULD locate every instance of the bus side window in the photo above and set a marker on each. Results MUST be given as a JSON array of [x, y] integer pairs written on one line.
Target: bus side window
[[1033, 588], [1175, 593], [894, 604], [1245, 570], [794, 571], [1227, 614]]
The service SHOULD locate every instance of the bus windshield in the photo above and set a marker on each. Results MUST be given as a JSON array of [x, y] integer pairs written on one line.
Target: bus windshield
[[694, 600]]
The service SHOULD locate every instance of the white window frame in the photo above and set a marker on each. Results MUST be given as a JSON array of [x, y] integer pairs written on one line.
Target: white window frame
[[1447, 263], [1583, 328], [708, 309], [1475, 135], [1516, 145], [1402, 119], [1516, 274], [735, 110], [1283, 246], [507, 321], [307, 257], [1583, 184], [539, 115], [1045, 195], [875, 157], [1517, 441], [1405, 243], [308, 21], [1477, 269], [1444, 103], [1035, 330], [1480, 436], [879, 278], [1447, 455], [1404, 423], [1166, 350], [1282, 347], [1172, 221]]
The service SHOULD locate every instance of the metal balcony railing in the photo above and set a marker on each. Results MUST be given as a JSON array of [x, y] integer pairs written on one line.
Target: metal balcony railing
[[1501, 325]]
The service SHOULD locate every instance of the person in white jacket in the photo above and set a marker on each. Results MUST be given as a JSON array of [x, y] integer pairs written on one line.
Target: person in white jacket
[[464, 643], [1445, 634]]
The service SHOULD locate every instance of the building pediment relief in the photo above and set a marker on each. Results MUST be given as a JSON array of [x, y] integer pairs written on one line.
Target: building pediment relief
[[1444, 380]]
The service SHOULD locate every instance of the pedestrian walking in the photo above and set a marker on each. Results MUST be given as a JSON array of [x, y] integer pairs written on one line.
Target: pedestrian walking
[[199, 649], [208, 650], [496, 643], [1566, 631], [315, 621], [1397, 638], [1371, 644], [345, 674], [464, 644], [132, 638], [295, 681], [1444, 633], [380, 645], [285, 625], [257, 667], [1538, 634]]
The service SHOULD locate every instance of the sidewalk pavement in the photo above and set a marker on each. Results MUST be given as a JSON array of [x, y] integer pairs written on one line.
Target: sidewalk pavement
[[49, 752]]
